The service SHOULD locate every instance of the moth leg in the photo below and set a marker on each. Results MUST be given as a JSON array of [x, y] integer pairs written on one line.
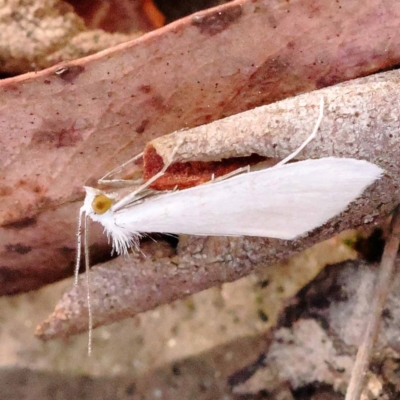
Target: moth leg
[[235, 172], [121, 182], [88, 296]]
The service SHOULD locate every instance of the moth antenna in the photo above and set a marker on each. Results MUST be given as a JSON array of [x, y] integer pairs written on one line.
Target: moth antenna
[[87, 261], [78, 246], [119, 168], [308, 140]]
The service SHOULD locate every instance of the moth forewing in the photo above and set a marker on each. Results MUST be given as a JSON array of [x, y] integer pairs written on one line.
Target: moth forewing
[[281, 202]]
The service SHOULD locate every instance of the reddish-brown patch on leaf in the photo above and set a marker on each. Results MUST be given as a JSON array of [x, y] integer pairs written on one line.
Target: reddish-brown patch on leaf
[[15, 280], [65, 250], [291, 45], [269, 81], [5, 191], [158, 103], [12, 88], [69, 73], [21, 223], [327, 80], [217, 22], [188, 174], [271, 69], [63, 138], [8, 275], [144, 88], [18, 248], [43, 202], [30, 186], [38, 189]]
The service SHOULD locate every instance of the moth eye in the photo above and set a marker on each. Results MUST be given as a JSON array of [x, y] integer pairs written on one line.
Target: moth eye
[[101, 204]]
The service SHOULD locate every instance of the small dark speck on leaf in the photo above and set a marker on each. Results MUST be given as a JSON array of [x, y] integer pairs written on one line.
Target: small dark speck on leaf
[[141, 128], [145, 88]]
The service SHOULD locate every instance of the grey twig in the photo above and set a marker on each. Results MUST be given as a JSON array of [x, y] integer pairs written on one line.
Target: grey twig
[[381, 291]]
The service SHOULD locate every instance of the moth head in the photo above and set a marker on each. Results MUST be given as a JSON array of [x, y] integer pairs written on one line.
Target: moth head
[[98, 207], [97, 202], [101, 203]]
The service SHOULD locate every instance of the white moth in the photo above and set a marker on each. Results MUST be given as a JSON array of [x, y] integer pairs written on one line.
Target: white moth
[[285, 201], [281, 202]]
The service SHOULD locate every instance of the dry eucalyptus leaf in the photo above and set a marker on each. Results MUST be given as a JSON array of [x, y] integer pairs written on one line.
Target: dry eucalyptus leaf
[[68, 125]]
